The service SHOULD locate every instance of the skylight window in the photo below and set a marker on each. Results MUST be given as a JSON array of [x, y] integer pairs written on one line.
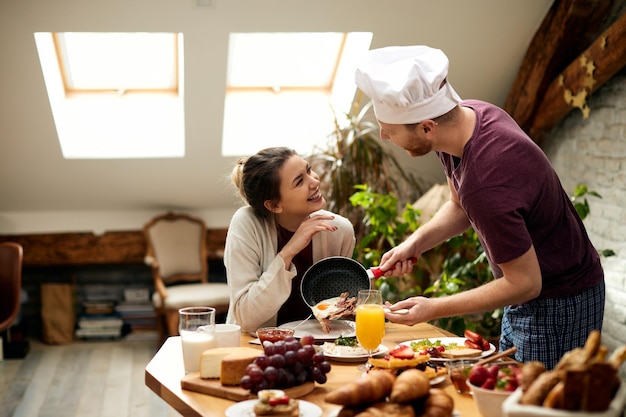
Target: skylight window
[[118, 61], [285, 89], [115, 95]]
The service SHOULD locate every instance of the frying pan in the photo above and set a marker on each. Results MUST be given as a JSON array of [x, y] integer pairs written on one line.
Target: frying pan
[[332, 276]]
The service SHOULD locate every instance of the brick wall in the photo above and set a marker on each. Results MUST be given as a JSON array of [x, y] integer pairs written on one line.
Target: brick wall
[[593, 152]]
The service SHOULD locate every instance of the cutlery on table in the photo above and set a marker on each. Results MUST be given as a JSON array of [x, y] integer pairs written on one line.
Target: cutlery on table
[[303, 321]]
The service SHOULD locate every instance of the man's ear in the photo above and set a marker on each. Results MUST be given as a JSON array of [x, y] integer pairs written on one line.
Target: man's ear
[[428, 125], [274, 208]]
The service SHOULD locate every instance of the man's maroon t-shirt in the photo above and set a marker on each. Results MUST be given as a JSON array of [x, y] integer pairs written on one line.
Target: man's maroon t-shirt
[[513, 197]]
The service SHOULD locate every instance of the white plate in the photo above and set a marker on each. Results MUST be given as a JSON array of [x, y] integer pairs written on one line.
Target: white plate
[[338, 328], [382, 349], [446, 341], [438, 380], [246, 409]]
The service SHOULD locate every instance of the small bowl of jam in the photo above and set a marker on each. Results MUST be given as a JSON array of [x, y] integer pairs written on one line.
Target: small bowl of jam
[[273, 334]]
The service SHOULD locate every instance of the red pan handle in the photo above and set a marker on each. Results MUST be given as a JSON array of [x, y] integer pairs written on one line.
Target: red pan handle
[[377, 272]]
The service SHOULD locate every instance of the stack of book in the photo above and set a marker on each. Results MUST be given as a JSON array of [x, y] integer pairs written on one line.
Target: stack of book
[[97, 318], [95, 326], [137, 313]]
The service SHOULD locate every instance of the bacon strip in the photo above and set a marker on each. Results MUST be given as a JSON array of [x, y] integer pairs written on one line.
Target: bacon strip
[[343, 307]]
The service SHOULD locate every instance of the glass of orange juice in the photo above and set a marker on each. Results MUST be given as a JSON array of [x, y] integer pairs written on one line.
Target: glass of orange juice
[[370, 319]]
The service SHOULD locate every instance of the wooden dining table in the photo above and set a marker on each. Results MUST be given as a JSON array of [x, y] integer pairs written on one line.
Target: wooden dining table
[[164, 373]]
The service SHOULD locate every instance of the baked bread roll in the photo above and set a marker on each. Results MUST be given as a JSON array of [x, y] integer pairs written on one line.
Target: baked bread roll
[[538, 391], [555, 397], [384, 409], [530, 371], [438, 404], [373, 387], [410, 385]]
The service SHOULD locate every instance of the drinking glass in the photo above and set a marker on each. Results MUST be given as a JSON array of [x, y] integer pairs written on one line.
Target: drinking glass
[[370, 320], [459, 371], [196, 326]]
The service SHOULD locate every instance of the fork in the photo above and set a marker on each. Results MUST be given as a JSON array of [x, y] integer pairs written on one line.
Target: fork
[[303, 321]]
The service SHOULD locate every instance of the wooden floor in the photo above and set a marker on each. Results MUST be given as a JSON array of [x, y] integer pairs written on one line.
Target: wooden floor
[[83, 379]]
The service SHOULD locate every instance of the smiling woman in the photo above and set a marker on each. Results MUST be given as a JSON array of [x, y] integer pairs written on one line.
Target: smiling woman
[[272, 241]]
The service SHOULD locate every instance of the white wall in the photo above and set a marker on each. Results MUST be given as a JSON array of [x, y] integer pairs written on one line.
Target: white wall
[[98, 222], [593, 152], [40, 192]]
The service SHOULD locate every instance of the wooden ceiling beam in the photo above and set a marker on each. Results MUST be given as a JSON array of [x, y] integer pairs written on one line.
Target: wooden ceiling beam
[[569, 27], [79, 249], [570, 89]]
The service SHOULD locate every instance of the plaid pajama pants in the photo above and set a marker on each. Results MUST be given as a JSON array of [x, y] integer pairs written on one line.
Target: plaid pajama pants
[[543, 330]]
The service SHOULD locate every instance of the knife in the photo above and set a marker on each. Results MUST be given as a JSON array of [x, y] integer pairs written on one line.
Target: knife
[[376, 272]]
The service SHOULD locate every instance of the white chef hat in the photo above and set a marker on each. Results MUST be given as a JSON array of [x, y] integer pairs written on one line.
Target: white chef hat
[[405, 83]]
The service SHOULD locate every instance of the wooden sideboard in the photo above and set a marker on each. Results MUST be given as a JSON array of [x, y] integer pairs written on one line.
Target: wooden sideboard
[[112, 261]]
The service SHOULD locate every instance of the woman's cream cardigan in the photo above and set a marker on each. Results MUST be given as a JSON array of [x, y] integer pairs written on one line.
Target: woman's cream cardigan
[[258, 282]]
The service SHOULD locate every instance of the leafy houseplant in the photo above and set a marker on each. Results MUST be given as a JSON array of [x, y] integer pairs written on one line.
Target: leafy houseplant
[[385, 228], [582, 208]]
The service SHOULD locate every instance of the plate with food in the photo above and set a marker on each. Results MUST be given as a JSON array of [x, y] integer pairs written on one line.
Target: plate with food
[[348, 349], [246, 409], [403, 357], [448, 348], [333, 308], [337, 328]]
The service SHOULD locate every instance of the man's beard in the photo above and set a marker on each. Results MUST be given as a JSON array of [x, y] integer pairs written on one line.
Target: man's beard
[[420, 149]]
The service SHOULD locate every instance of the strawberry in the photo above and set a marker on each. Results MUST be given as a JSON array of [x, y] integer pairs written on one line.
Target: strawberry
[[506, 383], [278, 400], [494, 369], [490, 383], [402, 352], [478, 375]]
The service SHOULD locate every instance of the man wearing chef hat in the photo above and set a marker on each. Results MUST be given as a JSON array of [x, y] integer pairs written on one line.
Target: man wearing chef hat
[[550, 280]]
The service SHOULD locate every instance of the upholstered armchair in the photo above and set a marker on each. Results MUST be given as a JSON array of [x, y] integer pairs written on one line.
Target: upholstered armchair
[[177, 255]]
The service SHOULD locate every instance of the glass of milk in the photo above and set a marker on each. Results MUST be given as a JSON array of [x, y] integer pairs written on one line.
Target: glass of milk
[[196, 326]]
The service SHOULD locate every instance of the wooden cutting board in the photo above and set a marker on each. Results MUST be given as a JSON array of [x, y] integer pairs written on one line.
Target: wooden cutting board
[[193, 382]]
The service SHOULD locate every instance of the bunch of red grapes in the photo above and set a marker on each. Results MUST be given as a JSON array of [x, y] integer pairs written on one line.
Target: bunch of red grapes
[[285, 364]]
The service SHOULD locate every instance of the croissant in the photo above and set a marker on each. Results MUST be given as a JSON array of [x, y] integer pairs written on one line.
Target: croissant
[[388, 410], [373, 387], [438, 404], [410, 385], [351, 410]]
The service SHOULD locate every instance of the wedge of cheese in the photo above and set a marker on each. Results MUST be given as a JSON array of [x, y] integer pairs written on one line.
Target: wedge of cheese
[[227, 363]]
